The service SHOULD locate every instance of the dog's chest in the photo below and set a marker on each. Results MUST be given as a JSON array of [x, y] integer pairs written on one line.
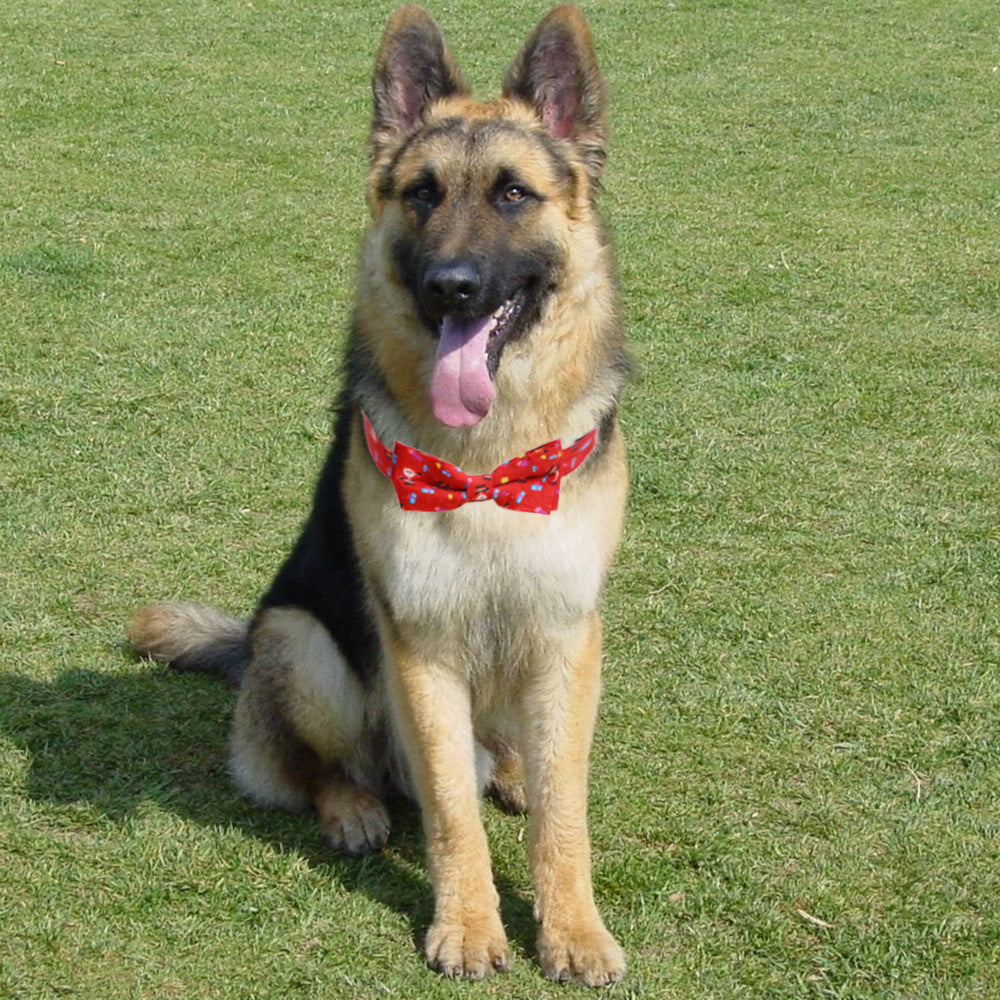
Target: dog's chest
[[484, 578]]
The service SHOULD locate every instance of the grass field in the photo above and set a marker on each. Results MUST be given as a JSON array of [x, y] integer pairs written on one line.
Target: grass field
[[795, 784]]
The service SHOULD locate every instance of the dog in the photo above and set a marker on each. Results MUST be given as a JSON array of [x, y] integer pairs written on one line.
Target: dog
[[411, 642]]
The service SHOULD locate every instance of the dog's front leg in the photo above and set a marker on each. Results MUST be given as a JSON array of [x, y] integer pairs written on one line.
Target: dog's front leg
[[432, 710], [559, 711]]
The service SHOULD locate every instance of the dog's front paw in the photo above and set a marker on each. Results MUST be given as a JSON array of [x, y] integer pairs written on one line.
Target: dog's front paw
[[472, 949], [585, 954]]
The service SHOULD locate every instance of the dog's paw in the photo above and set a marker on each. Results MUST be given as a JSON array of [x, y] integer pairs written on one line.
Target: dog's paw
[[587, 955], [353, 821], [508, 791], [506, 784], [473, 949]]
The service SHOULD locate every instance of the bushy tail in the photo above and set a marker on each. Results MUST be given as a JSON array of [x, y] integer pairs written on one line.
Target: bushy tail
[[192, 637]]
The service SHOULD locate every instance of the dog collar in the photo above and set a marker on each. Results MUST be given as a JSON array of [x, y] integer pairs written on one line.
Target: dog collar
[[529, 482]]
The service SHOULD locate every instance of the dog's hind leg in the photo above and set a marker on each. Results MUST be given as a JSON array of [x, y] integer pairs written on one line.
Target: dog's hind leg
[[506, 784], [353, 820], [300, 727]]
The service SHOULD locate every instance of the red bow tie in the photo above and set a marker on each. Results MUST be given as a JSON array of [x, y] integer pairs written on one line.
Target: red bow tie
[[529, 482]]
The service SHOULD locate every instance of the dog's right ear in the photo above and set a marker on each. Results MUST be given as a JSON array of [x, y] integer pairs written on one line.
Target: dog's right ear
[[413, 68]]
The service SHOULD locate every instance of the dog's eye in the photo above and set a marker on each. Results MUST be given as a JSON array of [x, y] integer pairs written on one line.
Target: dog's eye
[[423, 194], [510, 193]]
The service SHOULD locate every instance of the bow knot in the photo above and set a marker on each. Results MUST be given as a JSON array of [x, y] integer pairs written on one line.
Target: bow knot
[[478, 488], [529, 482]]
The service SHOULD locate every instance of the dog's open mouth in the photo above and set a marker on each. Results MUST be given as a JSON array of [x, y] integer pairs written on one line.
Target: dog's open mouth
[[468, 353]]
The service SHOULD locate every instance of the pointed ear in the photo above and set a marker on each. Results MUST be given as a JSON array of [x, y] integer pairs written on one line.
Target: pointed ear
[[557, 74], [413, 68]]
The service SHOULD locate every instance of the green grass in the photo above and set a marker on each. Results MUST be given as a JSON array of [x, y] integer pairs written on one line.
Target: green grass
[[796, 789]]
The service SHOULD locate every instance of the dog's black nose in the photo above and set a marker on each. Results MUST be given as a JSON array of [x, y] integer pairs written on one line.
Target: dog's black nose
[[452, 286]]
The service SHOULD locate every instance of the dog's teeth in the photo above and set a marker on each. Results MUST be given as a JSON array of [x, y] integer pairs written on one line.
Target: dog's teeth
[[498, 312]]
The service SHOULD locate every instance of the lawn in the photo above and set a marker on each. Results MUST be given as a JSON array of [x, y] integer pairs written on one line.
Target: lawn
[[796, 779]]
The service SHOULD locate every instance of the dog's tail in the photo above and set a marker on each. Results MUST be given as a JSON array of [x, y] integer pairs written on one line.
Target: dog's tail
[[192, 637]]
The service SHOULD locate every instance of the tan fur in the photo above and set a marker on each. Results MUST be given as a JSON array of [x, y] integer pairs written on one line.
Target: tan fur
[[432, 706], [536, 389], [538, 684], [171, 631], [507, 783], [296, 666], [487, 619], [352, 819]]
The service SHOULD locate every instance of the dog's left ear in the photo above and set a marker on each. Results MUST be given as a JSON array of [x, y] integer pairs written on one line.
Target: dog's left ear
[[413, 68], [557, 73]]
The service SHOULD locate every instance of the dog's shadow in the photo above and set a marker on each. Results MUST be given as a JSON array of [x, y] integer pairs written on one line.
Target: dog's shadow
[[116, 740]]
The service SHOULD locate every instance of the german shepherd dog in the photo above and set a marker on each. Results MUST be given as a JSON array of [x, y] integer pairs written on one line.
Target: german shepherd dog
[[444, 654]]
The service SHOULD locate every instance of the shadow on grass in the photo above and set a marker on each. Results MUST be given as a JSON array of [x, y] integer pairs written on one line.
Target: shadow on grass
[[116, 741]]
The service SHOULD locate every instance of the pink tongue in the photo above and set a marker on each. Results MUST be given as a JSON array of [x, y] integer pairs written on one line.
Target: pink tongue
[[461, 388]]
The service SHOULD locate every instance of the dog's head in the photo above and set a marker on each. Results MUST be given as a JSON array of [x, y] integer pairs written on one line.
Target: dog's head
[[477, 203]]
